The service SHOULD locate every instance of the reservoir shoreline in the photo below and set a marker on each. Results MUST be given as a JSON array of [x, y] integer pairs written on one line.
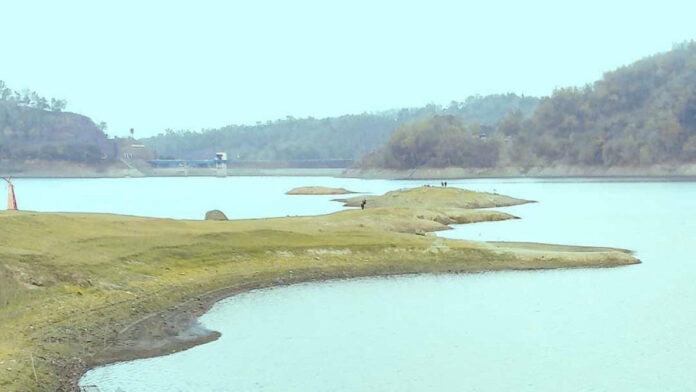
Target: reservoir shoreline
[[41, 169]]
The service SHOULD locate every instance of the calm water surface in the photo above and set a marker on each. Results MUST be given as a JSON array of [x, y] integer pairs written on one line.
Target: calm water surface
[[622, 329]]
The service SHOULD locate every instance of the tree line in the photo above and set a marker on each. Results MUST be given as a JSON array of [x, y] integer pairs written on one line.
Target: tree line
[[31, 99], [640, 114], [348, 137], [437, 141]]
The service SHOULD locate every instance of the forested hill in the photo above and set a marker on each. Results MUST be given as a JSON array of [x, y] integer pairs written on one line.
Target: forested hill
[[344, 137], [33, 127], [637, 115]]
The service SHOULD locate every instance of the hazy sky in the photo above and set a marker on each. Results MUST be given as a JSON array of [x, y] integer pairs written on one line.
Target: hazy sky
[[201, 64]]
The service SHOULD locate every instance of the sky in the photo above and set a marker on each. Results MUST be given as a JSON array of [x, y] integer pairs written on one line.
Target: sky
[[153, 65]]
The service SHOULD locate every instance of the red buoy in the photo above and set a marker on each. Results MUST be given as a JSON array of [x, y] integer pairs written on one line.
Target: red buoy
[[11, 199]]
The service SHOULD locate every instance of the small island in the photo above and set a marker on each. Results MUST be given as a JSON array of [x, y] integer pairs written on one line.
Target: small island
[[318, 190], [79, 290]]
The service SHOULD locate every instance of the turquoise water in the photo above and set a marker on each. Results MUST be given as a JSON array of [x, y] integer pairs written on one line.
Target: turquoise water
[[621, 329]]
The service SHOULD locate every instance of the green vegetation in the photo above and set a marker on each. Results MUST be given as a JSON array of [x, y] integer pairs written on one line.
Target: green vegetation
[[30, 99], [440, 141], [82, 289], [34, 128], [346, 137], [641, 114]]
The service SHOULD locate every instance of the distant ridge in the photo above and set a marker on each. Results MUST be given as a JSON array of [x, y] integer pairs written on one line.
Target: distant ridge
[[347, 137]]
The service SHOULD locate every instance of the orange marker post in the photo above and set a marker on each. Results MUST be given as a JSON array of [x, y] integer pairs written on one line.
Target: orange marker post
[[11, 199]]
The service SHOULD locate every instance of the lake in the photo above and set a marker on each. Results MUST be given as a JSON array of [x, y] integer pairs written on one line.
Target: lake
[[620, 329]]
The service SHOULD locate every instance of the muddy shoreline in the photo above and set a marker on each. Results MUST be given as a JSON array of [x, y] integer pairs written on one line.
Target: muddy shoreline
[[178, 329], [41, 169], [661, 171]]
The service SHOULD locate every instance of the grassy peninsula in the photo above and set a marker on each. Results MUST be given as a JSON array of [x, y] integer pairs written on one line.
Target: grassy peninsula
[[77, 290]]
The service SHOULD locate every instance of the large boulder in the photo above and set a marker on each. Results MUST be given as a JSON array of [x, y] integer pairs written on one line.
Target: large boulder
[[215, 215]]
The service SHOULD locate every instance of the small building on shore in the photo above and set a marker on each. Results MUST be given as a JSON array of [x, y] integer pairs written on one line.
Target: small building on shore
[[221, 164]]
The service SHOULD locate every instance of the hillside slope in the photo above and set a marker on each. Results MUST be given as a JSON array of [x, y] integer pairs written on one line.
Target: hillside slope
[[636, 116], [30, 133]]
